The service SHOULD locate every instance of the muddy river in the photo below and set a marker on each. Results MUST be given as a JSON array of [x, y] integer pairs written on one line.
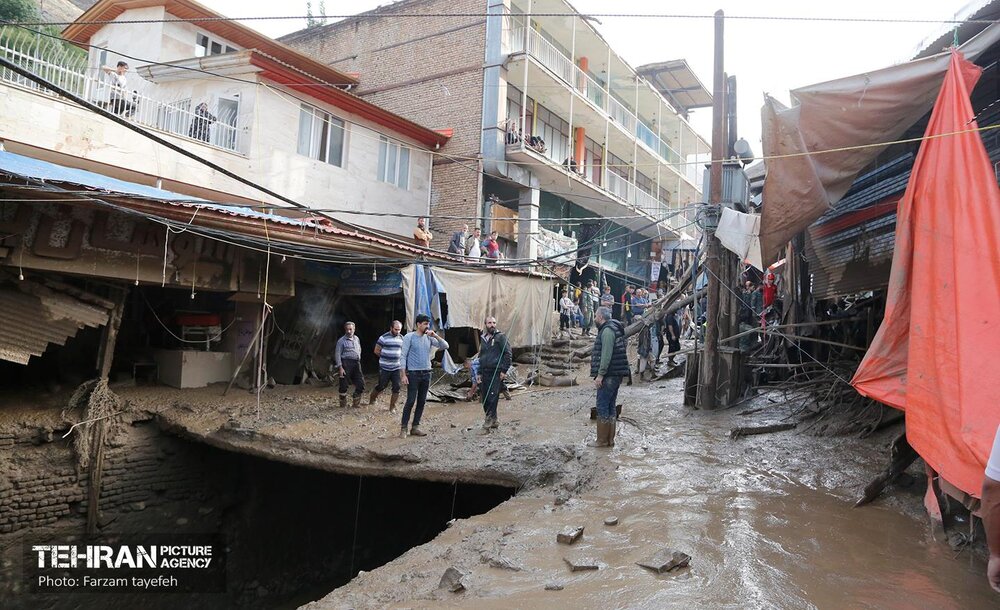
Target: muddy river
[[767, 520]]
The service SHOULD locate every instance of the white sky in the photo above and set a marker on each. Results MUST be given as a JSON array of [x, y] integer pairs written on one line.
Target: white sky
[[765, 56]]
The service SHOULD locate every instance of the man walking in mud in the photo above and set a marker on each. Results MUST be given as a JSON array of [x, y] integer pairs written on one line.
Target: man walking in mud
[[347, 359], [389, 350], [417, 374], [608, 364], [494, 360]]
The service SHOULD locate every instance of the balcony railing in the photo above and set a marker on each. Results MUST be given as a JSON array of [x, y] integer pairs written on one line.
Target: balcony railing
[[613, 184], [139, 102], [552, 58]]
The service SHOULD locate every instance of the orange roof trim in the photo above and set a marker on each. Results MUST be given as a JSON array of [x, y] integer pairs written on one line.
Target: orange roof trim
[[81, 32]]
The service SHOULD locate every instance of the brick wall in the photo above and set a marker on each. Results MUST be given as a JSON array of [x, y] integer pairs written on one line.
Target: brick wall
[[144, 469], [429, 70]]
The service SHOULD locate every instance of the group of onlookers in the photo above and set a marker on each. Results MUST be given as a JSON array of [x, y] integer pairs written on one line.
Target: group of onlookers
[[473, 246]]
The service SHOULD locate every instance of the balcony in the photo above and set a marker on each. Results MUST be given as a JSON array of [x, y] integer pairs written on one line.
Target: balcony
[[607, 197], [596, 95], [141, 103]]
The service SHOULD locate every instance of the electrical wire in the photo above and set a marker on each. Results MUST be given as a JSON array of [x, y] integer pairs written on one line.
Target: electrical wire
[[584, 16]]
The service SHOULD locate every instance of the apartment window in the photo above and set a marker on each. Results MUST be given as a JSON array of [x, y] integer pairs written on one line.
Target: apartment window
[[393, 163], [321, 135], [555, 132], [206, 45]]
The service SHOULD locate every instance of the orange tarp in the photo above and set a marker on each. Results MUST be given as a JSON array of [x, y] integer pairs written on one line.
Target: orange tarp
[[937, 353]]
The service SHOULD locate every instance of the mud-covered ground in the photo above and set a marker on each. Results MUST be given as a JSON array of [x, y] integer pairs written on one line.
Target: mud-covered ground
[[767, 520]]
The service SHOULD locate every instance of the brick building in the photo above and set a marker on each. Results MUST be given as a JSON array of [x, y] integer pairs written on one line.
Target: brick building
[[550, 125]]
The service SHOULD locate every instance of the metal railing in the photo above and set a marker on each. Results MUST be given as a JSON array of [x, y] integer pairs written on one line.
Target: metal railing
[[140, 101], [613, 184], [552, 58]]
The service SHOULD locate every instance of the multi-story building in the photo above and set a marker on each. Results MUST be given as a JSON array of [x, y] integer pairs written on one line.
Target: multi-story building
[[551, 126], [226, 93]]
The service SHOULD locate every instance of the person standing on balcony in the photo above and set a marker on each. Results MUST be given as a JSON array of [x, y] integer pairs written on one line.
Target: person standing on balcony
[[492, 246], [201, 123], [120, 101], [422, 235], [457, 243], [473, 245]]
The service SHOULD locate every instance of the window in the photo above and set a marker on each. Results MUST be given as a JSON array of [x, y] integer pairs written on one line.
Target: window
[[206, 45], [393, 163], [321, 136]]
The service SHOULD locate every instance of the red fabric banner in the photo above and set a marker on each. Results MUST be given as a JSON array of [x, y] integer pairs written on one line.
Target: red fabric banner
[[936, 354]]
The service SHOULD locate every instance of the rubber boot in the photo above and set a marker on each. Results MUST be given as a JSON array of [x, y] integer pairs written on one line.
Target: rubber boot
[[416, 431], [392, 401], [356, 401], [373, 397], [612, 430], [343, 401], [602, 435]]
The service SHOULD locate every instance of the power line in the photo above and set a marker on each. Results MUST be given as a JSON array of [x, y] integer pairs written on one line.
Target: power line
[[583, 16]]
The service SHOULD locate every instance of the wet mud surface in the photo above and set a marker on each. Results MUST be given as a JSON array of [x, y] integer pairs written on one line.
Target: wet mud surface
[[767, 520]]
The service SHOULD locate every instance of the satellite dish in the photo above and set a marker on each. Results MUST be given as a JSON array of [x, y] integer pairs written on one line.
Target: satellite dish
[[743, 152]]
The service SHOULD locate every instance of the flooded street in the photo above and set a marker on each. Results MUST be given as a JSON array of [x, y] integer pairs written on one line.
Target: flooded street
[[767, 520]]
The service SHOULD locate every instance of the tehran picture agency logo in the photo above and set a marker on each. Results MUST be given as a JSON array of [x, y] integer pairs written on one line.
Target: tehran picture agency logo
[[152, 564]]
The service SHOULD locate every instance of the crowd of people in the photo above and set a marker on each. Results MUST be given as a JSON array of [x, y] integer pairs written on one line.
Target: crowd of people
[[473, 246]]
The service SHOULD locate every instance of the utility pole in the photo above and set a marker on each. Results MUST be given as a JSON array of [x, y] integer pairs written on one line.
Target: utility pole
[[709, 369]]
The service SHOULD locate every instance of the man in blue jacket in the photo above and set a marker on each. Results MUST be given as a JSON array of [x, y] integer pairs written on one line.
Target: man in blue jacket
[[494, 360]]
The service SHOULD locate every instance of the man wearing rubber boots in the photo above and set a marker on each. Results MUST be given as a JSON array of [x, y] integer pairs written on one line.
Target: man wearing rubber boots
[[347, 359], [494, 360], [608, 364], [389, 350]]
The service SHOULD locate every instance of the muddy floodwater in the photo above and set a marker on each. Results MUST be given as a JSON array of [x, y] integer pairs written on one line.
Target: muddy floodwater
[[767, 520]]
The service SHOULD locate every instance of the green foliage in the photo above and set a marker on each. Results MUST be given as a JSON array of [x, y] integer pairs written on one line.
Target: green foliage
[[18, 10]]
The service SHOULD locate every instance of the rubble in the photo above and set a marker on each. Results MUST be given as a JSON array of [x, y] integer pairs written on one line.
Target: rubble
[[666, 560], [581, 564], [452, 580], [570, 535]]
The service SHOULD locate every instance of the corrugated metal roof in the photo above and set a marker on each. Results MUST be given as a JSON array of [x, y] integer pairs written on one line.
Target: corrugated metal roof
[[33, 316]]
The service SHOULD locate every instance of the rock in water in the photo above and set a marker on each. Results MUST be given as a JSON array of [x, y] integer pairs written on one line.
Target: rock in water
[[666, 560], [452, 580], [570, 535]]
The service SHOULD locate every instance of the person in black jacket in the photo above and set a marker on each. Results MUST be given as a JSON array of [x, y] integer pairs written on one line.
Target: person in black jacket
[[494, 360], [608, 364]]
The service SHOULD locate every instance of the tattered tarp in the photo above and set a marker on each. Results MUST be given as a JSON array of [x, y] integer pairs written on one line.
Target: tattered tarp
[[935, 354], [521, 304], [739, 233], [864, 109]]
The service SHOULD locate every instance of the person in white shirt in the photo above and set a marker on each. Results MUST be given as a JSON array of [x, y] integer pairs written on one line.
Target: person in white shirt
[[120, 102], [566, 308], [989, 508]]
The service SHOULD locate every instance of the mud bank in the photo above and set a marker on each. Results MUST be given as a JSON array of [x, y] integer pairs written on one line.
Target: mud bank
[[767, 519]]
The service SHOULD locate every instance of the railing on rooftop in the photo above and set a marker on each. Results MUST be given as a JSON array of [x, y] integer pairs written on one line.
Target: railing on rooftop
[[597, 94], [140, 102]]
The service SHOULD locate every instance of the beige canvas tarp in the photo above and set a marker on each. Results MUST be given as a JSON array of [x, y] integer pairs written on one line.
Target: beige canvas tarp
[[858, 110], [522, 304]]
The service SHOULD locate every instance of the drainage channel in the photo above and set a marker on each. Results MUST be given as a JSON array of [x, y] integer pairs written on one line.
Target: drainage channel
[[292, 534]]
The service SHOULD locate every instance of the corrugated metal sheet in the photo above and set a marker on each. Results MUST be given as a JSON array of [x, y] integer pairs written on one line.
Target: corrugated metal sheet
[[32, 317]]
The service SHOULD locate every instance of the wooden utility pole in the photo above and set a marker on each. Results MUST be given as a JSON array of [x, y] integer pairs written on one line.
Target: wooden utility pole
[[709, 369]]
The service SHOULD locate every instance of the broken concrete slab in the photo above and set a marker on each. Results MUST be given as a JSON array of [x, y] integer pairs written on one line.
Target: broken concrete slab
[[569, 535], [553, 586], [611, 520], [666, 560], [452, 580], [580, 564]]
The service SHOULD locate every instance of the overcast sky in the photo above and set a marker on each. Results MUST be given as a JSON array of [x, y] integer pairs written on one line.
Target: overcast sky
[[765, 56]]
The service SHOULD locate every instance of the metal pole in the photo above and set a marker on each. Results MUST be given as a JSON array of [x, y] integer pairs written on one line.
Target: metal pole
[[709, 370]]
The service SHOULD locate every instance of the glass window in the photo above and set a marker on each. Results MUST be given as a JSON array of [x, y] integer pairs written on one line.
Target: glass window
[[393, 163], [321, 136], [206, 45]]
